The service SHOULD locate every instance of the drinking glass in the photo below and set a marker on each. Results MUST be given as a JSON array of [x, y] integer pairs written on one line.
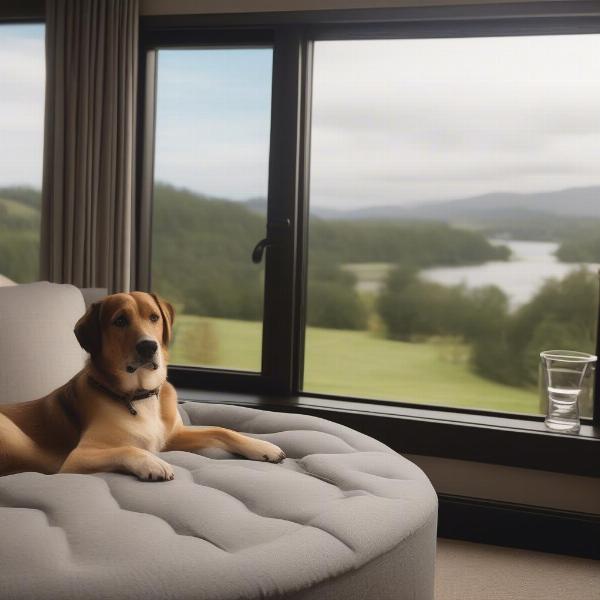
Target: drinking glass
[[566, 377]]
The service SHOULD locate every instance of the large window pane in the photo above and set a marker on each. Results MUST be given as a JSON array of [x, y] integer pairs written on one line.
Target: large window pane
[[211, 173], [454, 216], [22, 82]]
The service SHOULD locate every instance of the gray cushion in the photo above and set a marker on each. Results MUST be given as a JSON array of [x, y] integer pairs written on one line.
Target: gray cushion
[[38, 349], [343, 517]]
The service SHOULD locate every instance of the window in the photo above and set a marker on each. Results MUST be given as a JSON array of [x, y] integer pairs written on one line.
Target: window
[[210, 200], [22, 82], [454, 216], [429, 191]]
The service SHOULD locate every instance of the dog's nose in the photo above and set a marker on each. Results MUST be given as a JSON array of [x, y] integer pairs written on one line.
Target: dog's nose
[[146, 348]]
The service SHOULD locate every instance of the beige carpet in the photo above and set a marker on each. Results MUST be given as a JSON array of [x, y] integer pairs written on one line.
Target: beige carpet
[[466, 571]]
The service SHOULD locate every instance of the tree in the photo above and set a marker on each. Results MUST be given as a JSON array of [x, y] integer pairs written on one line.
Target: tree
[[332, 299], [562, 315], [410, 306]]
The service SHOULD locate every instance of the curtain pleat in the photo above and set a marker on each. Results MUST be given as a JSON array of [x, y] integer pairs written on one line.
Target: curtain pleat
[[89, 142]]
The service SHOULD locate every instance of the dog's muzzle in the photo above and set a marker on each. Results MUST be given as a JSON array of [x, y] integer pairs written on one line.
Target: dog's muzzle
[[146, 351]]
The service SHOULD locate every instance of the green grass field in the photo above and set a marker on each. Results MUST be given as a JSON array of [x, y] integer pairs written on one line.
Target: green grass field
[[355, 363]]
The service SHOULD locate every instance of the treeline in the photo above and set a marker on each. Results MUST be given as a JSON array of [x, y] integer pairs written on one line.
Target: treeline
[[505, 345], [419, 243], [533, 225], [202, 246], [201, 251], [582, 248]]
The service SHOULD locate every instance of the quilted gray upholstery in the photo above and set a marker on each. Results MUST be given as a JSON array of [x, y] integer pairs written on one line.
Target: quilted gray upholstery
[[343, 517]]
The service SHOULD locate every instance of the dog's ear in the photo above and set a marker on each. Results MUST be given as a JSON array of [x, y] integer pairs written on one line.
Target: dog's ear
[[167, 312], [87, 329]]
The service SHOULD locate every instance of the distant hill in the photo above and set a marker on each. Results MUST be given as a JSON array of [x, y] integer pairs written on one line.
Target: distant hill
[[541, 216], [571, 202], [22, 194]]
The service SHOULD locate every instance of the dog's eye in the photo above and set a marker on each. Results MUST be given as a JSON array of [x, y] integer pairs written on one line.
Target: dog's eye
[[120, 321], [154, 318]]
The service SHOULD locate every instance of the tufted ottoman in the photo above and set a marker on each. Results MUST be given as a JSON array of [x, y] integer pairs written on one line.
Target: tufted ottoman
[[343, 517]]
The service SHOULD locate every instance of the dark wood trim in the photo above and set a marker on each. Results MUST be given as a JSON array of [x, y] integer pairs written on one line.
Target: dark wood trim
[[186, 36], [517, 10], [494, 440], [459, 411], [146, 127], [302, 230], [280, 282], [456, 28], [519, 526], [22, 11]]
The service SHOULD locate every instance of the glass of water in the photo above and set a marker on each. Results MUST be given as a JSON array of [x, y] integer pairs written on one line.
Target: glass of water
[[566, 378]]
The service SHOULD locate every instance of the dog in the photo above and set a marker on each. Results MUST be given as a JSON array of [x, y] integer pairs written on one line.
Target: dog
[[119, 410]]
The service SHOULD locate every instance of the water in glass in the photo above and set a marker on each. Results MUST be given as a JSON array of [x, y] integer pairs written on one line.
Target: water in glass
[[565, 377]]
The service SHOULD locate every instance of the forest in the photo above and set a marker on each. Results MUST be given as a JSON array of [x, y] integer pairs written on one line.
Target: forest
[[208, 270]]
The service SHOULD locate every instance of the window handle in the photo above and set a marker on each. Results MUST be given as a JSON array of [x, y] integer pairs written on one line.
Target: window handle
[[259, 249]]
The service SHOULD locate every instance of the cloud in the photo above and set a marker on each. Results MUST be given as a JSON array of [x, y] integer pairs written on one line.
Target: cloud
[[403, 121], [394, 121]]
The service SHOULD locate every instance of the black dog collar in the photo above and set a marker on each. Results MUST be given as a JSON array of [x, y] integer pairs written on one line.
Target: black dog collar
[[127, 399]]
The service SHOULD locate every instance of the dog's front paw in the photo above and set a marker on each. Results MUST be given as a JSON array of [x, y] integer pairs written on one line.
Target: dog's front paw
[[262, 450], [148, 467]]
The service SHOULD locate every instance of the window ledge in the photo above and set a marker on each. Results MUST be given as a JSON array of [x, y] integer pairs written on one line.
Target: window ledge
[[511, 441]]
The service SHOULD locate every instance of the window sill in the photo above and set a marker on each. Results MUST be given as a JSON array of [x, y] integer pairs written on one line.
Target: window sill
[[507, 441]]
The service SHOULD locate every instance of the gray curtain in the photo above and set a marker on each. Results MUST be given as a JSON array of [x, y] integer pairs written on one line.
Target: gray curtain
[[89, 146]]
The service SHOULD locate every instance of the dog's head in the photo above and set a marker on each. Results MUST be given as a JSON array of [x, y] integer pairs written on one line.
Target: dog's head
[[127, 336]]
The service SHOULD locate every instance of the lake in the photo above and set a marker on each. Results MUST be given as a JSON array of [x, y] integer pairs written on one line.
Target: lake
[[519, 278]]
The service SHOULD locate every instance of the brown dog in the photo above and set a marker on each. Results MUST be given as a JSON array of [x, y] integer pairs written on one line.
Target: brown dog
[[118, 411]]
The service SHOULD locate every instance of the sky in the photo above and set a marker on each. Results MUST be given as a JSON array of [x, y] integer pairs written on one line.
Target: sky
[[395, 122], [213, 120], [409, 121], [22, 82]]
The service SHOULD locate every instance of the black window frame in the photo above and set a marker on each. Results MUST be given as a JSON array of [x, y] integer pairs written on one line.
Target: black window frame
[[276, 368], [280, 386]]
